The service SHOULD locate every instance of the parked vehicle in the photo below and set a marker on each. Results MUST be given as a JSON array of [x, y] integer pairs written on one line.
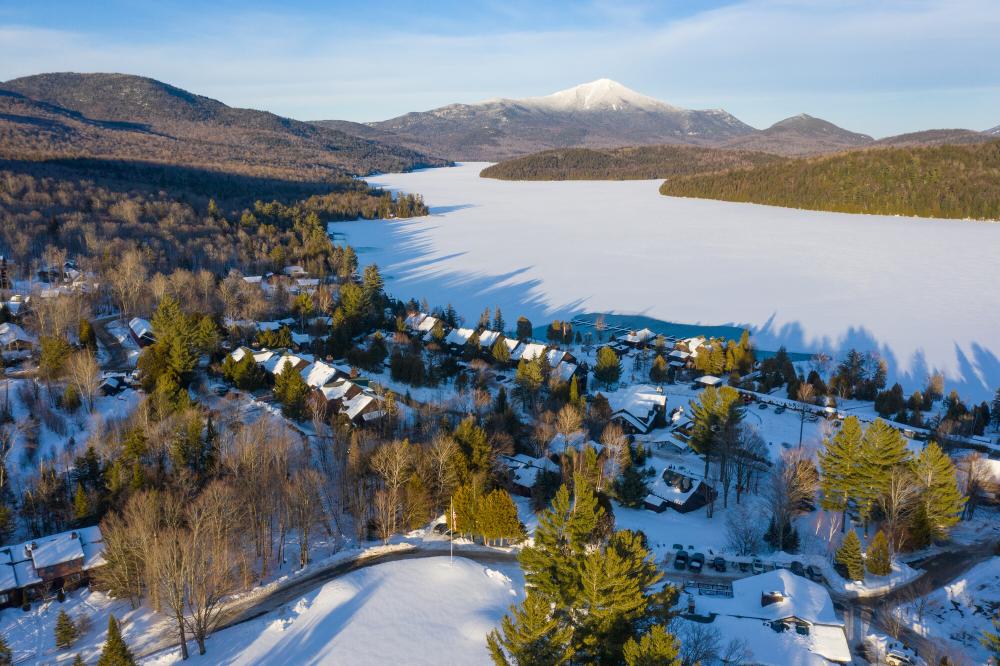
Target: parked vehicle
[[798, 569], [812, 418], [814, 573], [681, 560], [897, 658], [757, 566], [744, 567], [719, 564], [762, 405], [780, 409], [697, 562]]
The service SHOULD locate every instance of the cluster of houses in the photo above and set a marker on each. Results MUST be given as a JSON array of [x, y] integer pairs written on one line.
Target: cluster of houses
[[338, 385], [563, 364], [41, 566], [293, 279]]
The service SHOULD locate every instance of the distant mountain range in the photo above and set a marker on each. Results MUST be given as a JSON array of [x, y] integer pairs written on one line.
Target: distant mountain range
[[606, 114], [129, 117]]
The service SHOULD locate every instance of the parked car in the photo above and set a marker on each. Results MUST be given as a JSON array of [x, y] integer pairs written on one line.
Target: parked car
[[681, 560], [719, 564], [757, 566], [797, 568], [897, 658], [812, 418], [697, 562], [762, 405], [744, 567], [780, 409], [814, 573]]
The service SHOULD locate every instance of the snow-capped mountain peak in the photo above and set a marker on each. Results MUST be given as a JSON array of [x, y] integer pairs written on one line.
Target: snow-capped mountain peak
[[599, 95]]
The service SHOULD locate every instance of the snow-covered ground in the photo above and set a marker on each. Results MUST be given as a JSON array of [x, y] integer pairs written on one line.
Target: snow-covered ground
[[960, 612], [426, 611], [812, 281]]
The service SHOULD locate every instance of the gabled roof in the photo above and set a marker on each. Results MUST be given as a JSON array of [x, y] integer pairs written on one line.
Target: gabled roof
[[459, 336], [10, 333], [488, 338], [801, 598], [338, 389], [413, 321], [528, 351], [427, 323], [318, 374], [566, 370], [140, 327], [354, 406]]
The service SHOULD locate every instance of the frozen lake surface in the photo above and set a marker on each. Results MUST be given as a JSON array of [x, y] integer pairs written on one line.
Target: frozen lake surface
[[922, 292]]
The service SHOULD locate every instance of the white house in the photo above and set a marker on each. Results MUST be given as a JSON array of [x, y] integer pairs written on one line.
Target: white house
[[786, 620]]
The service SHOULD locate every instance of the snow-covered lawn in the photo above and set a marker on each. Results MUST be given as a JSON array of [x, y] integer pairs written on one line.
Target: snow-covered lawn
[[808, 280], [426, 611], [959, 613]]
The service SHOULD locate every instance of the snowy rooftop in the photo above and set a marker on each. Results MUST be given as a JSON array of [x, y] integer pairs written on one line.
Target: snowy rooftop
[[459, 336], [140, 327], [318, 374], [488, 338], [413, 321], [337, 390], [566, 370], [529, 351], [10, 333], [427, 324]]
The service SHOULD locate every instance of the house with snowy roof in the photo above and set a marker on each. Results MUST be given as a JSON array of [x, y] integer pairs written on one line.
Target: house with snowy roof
[[678, 487], [141, 331], [638, 338], [786, 620], [15, 338], [457, 338], [46, 564], [639, 408], [524, 471], [528, 351]]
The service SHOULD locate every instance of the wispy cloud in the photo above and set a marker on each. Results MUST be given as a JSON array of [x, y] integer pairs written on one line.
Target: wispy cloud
[[876, 67]]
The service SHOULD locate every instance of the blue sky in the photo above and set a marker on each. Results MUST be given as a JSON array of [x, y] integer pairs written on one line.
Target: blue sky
[[875, 66]]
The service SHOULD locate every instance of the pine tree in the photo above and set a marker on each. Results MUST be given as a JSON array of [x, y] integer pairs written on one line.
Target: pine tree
[[839, 461], [498, 322], [531, 635], [655, 648], [631, 488], [66, 631], [81, 503], [877, 555], [882, 448], [849, 557], [78, 660], [6, 656], [941, 501], [524, 328], [115, 651], [991, 640], [500, 351], [609, 366]]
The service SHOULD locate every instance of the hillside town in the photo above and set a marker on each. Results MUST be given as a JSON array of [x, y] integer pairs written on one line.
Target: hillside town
[[173, 443]]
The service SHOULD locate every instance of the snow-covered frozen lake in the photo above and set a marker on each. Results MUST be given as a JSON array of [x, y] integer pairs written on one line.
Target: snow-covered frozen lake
[[925, 293]]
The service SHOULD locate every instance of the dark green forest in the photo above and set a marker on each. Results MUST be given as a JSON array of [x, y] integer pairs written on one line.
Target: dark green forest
[[947, 181]]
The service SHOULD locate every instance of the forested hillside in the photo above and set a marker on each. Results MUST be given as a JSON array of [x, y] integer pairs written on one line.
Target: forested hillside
[[136, 118], [631, 163], [180, 217], [950, 181]]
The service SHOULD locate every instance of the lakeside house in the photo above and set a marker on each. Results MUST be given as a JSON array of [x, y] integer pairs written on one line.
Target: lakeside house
[[639, 408]]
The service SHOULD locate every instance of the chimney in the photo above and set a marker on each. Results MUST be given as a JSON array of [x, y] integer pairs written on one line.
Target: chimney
[[768, 598]]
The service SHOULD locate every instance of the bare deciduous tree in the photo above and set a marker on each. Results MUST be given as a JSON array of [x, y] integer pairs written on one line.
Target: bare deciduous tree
[[127, 280], [744, 530], [391, 463], [84, 375]]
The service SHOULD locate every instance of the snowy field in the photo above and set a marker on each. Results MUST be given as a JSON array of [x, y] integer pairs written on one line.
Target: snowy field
[[425, 611], [920, 291]]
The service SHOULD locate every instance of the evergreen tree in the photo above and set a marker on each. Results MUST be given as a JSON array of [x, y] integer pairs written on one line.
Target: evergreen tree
[[631, 488], [531, 636], [66, 631], [882, 448], [6, 656], [785, 536], [291, 391], [498, 323], [501, 354], [655, 648], [609, 366], [475, 448], [528, 378], [524, 329], [839, 462], [849, 557], [941, 501], [115, 651], [78, 660], [81, 504], [877, 555], [716, 414], [991, 640]]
